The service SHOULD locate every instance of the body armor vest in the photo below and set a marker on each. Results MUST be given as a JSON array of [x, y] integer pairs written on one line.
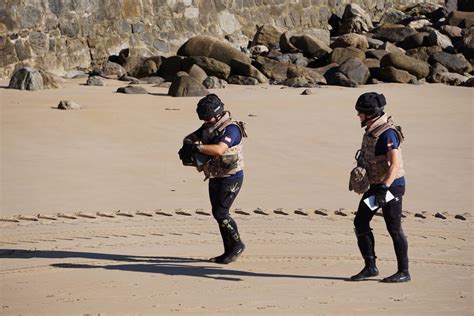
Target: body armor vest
[[232, 161], [377, 166]]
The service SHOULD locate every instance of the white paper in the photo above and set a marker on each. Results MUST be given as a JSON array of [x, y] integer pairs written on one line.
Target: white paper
[[372, 203]]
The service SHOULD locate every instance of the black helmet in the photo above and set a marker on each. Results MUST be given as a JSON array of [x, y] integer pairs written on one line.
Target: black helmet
[[209, 106], [371, 103]]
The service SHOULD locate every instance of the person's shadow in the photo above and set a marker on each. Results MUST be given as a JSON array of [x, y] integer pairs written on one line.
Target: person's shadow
[[151, 264]]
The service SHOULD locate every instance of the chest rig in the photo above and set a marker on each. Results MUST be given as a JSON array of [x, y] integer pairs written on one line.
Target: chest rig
[[232, 161], [377, 166]]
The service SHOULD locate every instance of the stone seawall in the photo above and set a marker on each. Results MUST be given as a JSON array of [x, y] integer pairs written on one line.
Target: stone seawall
[[61, 35]]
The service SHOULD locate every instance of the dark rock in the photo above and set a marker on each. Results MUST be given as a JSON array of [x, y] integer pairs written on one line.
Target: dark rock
[[377, 54], [340, 55], [214, 83], [438, 68], [187, 86], [437, 39], [169, 67], [129, 79], [68, 105], [310, 46], [391, 74], [423, 53], [242, 80], [461, 19], [285, 43], [211, 66], [439, 215], [469, 83], [213, 48], [414, 41], [246, 70], [454, 63], [351, 40], [95, 81], [414, 66], [466, 46], [354, 69], [459, 216], [132, 90], [267, 35], [26, 78], [465, 5], [297, 82], [336, 78], [307, 92], [393, 33], [328, 67]]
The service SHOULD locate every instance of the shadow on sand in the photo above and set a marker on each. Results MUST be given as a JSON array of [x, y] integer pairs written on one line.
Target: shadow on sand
[[149, 264]]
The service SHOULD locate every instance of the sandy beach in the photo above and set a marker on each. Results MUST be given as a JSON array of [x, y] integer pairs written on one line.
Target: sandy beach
[[120, 153]]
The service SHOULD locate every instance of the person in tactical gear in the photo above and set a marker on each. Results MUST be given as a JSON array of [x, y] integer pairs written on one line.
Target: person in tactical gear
[[216, 149], [379, 169]]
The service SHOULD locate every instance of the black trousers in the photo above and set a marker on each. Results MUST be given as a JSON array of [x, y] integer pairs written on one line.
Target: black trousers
[[392, 214], [222, 193]]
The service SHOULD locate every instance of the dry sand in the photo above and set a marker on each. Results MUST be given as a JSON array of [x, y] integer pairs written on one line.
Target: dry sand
[[120, 153]]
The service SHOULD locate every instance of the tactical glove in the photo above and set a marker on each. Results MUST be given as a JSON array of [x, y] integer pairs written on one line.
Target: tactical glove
[[380, 195]]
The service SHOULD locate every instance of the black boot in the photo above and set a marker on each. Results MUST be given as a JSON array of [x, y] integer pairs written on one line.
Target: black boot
[[227, 246], [400, 276], [237, 247], [370, 270]]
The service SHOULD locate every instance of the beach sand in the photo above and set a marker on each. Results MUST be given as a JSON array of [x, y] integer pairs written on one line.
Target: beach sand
[[120, 153]]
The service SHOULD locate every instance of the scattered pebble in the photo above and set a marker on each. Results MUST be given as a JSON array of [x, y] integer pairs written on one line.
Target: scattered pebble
[[459, 216], [439, 215], [340, 212], [420, 215], [260, 211], [322, 212]]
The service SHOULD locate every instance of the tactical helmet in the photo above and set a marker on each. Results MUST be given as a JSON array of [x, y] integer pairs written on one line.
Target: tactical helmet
[[371, 103], [209, 107]]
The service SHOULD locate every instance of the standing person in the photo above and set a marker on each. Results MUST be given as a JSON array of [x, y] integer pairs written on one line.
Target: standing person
[[216, 149], [380, 169]]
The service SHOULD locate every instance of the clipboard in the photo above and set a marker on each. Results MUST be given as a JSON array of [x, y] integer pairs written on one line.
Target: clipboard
[[372, 203]]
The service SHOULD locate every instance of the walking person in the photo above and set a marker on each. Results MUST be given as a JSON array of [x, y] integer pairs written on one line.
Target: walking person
[[216, 149], [379, 171]]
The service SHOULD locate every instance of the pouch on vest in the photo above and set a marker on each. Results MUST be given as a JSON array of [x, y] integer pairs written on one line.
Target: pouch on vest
[[377, 168], [359, 180]]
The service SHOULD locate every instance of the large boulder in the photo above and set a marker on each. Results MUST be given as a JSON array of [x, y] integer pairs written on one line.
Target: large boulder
[[414, 41], [214, 83], [26, 78], [377, 53], [393, 33], [391, 74], [272, 69], [211, 47], [394, 16], [111, 70], [242, 80], [243, 69], [351, 40], [285, 39], [355, 70], [309, 74], [341, 54], [267, 35], [452, 79], [336, 78], [461, 19], [211, 66], [310, 46], [50, 81], [466, 46], [95, 81], [197, 73], [453, 62], [293, 58], [416, 67], [437, 39], [187, 86], [169, 67], [355, 20], [423, 53]]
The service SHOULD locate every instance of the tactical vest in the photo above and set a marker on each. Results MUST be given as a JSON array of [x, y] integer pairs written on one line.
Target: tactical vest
[[232, 161], [377, 166]]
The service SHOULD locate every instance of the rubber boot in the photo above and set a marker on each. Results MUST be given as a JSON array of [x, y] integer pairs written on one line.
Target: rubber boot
[[237, 247], [400, 276], [227, 246], [370, 270]]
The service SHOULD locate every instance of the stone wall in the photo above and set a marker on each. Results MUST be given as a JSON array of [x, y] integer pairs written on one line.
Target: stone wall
[[60, 35]]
